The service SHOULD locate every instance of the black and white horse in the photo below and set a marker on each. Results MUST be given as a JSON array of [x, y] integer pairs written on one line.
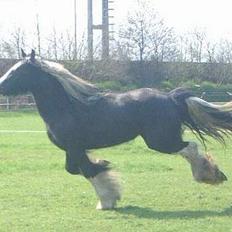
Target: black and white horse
[[79, 117]]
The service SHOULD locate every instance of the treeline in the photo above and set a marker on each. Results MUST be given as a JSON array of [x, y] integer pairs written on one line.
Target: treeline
[[144, 36], [201, 78], [144, 52], [124, 75]]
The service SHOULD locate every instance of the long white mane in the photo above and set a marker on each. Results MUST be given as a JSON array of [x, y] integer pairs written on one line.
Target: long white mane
[[62, 73], [73, 85]]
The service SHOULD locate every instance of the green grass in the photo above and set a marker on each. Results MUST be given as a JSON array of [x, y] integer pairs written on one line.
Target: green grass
[[36, 194]]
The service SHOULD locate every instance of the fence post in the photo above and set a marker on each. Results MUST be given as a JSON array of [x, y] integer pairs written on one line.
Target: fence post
[[7, 103]]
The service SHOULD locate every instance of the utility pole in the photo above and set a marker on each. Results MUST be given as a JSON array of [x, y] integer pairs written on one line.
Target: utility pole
[[90, 30], [38, 28], [104, 27], [75, 30]]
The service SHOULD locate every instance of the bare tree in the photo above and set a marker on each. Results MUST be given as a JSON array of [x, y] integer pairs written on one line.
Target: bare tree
[[62, 46], [18, 40], [82, 48], [134, 34], [196, 40], [69, 45], [52, 50], [10, 47], [183, 48], [120, 51], [7, 50], [211, 51], [224, 51], [163, 44], [146, 36]]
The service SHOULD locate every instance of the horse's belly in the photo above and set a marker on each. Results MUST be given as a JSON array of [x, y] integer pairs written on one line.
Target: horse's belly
[[101, 141], [109, 135]]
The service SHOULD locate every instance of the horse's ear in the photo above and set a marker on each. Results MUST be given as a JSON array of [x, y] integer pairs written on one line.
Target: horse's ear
[[23, 53], [32, 58]]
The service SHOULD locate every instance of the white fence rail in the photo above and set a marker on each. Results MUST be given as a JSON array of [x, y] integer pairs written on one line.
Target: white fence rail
[[27, 102], [17, 103]]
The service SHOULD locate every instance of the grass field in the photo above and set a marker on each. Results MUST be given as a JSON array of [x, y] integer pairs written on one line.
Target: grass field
[[36, 193]]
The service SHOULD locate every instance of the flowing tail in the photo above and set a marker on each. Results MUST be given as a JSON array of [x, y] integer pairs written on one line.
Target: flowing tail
[[202, 117]]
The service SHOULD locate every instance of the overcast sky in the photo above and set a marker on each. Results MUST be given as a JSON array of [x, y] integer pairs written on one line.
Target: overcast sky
[[212, 15]]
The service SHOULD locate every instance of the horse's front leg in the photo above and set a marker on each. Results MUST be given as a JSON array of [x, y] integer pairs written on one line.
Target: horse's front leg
[[203, 167], [100, 176]]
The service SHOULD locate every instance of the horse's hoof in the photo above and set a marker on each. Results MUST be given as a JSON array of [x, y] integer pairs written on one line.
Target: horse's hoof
[[105, 205], [206, 171], [219, 179]]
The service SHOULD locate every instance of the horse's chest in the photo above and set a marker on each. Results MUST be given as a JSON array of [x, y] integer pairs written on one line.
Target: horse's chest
[[63, 128]]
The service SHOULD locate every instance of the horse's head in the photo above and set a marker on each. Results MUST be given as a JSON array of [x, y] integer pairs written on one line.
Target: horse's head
[[18, 78]]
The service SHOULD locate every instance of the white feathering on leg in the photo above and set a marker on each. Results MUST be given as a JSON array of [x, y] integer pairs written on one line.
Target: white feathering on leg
[[107, 188]]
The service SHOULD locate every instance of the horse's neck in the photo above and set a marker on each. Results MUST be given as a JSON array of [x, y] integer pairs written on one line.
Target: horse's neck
[[51, 100]]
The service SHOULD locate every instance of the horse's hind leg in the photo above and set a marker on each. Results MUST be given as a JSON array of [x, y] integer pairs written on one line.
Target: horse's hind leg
[[100, 176], [203, 167]]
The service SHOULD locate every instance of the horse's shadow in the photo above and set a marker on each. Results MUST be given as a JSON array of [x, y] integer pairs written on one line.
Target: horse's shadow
[[149, 213]]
